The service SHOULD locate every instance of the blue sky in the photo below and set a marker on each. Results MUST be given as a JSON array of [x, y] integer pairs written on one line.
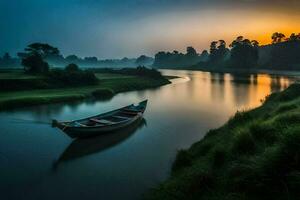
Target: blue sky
[[114, 29]]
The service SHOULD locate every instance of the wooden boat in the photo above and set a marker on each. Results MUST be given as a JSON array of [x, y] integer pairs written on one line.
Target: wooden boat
[[81, 147], [103, 123]]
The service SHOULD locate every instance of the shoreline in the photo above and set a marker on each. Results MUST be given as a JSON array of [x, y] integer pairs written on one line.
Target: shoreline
[[241, 71], [110, 86], [242, 158]]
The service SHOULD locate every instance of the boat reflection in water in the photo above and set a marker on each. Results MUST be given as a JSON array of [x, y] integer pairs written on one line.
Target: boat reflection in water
[[83, 147]]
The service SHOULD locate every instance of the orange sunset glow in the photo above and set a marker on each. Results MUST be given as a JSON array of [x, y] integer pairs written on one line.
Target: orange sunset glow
[[116, 30], [150, 99]]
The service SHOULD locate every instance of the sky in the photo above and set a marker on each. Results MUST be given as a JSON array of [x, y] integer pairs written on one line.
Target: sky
[[129, 28]]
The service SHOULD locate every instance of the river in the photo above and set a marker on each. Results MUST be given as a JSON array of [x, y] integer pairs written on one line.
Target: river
[[40, 162]]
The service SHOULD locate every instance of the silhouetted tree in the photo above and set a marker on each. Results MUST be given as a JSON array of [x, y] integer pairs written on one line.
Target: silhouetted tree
[[34, 63], [190, 51], [277, 37], [91, 59], [34, 57], [125, 59], [244, 53], [72, 59], [175, 59], [218, 52], [285, 55], [294, 37], [72, 67], [204, 55], [42, 49], [6, 57], [255, 43], [6, 60], [144, 60], [213, 47]]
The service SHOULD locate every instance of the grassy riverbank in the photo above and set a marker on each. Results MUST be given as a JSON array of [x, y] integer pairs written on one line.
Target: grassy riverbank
[[108, 83], [255, 155]]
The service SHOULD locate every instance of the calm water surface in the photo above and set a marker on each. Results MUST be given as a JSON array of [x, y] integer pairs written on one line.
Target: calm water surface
[[39, 162]]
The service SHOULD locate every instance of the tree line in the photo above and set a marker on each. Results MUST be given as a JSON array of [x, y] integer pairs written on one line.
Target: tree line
[[8, 61], [56, 59], [176, 59], [283, 53]]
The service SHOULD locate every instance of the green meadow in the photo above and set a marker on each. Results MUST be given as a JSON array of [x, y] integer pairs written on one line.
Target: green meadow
[[106, 84]]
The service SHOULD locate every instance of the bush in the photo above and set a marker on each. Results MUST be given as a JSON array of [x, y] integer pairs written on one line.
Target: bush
[[35, 64], [103, 93], [201, 148], [219, 157], [240, 118], [291, 145], [73, 78], [243, 143], [198, 183], [263, 131], [139, 71], [183, 159], [288, 119], [290, 93], [286, 107], [72, 68]]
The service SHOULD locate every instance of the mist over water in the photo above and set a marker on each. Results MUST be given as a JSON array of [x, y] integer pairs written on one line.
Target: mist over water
[[40, 162]]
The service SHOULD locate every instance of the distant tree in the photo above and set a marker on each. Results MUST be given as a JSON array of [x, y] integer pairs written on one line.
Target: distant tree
[[5, 60], [213, 47], [204, 53], [204, 56], [255, 43], [175, 59], [222, 50], [222, 44], [43, 49], [277, 37], [6, 57], [244, 53], [8, 61], [125, 59], [144, 60], [91, 59], [34, 57], [72, 59], [72, 67], [294, 37], [190, 51], [34, 63], [237, 41], [141, 59], [285, 55], [218, 52]]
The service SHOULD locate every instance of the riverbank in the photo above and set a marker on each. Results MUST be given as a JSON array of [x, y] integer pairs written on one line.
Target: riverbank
[[109, 85], [255, 155]]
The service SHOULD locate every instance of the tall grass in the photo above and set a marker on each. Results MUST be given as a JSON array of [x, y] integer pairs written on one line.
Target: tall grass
[[255, 155]]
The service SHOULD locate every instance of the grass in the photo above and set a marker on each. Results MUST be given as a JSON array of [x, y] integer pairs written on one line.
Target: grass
[[255, 155], [16, 75], [114, 83]]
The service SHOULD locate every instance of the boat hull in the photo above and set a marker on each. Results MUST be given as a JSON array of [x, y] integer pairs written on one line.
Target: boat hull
[[83, 132], [103, 123]]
